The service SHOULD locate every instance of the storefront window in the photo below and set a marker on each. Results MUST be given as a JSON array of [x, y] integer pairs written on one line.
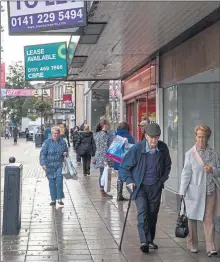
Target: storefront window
[[185, 107], [171, 133]]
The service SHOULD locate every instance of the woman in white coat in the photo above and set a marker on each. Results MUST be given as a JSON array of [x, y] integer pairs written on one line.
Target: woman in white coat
[[200, 185]]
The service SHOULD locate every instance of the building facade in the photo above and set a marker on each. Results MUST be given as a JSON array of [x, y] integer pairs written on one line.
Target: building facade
[[190, 94]]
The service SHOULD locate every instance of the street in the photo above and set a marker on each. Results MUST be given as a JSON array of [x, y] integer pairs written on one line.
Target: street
[[86, 228]]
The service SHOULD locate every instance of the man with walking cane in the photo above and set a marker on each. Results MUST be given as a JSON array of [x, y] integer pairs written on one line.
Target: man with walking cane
[[145, 168]]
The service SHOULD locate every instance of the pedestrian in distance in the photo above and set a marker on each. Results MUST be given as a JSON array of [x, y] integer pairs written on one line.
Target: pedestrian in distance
[[27, 133], [145, 168], [67, 135], [102, 143], [200, 185], [52, 155], [15, 135], [85, 147], [83, 125], [7, 133], [74, 138], [143, 123]]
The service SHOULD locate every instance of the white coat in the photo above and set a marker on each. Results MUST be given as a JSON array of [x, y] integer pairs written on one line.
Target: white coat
[[193, 183]]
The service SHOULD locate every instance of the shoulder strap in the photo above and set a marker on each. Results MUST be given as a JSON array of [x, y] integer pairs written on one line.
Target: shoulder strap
[[198, 157]]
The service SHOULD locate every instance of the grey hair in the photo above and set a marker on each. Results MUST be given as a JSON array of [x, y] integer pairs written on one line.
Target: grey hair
[[55, 129]]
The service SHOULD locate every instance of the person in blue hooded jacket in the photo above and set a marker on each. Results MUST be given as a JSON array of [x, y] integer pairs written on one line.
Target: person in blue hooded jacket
[[123, 131]]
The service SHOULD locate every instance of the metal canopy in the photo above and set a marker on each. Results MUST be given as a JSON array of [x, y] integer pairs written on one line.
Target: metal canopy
[[134, 31]]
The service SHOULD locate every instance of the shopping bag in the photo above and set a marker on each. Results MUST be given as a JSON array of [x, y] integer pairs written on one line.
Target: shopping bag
[[64, 169], [106, 179], [71, 170], [116, 149]]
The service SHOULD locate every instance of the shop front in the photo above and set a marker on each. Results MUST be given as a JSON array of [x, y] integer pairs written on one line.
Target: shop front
[[190, 78], [139, 94]]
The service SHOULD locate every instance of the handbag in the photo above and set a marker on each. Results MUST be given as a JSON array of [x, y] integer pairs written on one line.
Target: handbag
[[182, 228]]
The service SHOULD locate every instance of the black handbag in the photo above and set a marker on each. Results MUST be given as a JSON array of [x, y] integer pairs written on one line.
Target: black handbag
[[182, 228]]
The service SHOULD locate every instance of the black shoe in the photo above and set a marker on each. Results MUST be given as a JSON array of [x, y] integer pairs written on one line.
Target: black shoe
[[144, 248], [121, 198], [52, 203], [152, 245], [61, 203]]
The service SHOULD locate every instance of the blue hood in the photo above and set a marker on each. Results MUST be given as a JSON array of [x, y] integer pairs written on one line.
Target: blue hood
[[122, 132]]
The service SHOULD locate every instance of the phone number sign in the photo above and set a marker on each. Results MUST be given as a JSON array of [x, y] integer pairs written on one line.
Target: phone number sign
[[36, 16], [47, 61]]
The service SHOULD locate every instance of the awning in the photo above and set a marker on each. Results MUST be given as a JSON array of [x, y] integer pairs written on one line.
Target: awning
[[122, 36]]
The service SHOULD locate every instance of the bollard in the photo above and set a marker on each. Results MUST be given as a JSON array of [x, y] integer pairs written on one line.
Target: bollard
[[12, 199]]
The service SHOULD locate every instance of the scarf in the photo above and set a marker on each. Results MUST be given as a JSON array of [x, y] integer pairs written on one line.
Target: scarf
[[207, 155]]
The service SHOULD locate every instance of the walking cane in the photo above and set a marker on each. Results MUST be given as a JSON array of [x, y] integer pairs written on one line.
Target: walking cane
[[126, 217]]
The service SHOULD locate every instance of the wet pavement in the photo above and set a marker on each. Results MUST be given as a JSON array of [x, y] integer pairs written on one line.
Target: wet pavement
[[86, 228]]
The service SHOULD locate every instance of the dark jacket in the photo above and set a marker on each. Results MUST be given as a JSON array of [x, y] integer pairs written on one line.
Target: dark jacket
[[85, 144], [15, 132], [123, 133], [67, 133], [133, 166], [75, 137]]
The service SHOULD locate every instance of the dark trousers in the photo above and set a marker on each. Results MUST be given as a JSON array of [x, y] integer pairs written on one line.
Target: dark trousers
[[78, 158], [68, 140], [86, 164], [148, 203], [101, 170]]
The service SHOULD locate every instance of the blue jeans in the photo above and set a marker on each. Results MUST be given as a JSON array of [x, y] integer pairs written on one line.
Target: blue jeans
[[101, 169], [56, 185]]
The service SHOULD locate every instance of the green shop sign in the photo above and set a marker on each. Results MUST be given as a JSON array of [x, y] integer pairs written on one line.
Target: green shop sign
[[47, 61]]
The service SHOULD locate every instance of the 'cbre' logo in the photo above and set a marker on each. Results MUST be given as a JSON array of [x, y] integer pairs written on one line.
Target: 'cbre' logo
[[33, 4]]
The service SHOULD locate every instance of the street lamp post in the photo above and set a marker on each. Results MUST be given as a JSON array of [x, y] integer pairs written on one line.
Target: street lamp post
[[42, 95]]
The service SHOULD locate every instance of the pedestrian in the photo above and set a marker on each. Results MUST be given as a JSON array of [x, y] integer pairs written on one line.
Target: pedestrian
[[15, 135], [145, 168], [85, 147], [67, 135], [52, 155], [144, 122], [47, 132], [71, 134], [102, 143], [75, 137], [27, 133], [83, 125], [200, 185], [7, 133], [123, 131]]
